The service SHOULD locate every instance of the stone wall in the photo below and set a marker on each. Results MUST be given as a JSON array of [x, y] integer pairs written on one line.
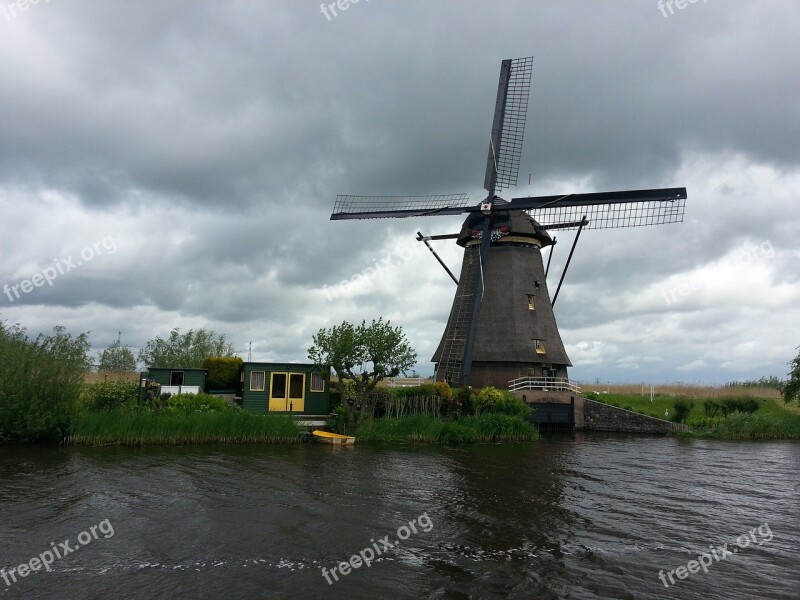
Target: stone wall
[[602, 417]]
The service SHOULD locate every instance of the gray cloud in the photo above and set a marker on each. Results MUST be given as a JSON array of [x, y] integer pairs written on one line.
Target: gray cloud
[[211, 139]]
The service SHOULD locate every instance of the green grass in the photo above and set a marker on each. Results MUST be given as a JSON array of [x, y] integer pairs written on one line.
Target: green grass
[[771, 421], [427, 429], [756, 426], [147, 428]]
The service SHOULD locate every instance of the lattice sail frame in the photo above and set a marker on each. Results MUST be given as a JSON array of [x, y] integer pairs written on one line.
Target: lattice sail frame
[[612, 215], [514, 118], [377, 207]]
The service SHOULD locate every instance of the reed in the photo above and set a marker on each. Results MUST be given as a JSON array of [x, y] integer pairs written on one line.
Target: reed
[[741, 426], [148, 428], [428, 429], [679, 389]]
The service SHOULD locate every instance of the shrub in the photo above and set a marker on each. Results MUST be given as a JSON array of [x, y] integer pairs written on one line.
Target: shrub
[[223, 372], [41, 380], [742, 405], [443, 389], [511, 405], [188, 404], [712, 409], [337, 420], [110, 395], [682, 408], [487, 399]]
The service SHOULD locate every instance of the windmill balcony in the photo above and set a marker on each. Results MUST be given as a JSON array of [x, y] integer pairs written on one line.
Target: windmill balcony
[[545, 384]]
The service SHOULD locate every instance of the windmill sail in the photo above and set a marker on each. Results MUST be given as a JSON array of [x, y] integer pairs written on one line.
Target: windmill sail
[[384, 207], [606, 210], [508, 128]]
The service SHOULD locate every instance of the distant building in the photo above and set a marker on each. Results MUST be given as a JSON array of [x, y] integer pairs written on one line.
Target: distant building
[[295, 388]]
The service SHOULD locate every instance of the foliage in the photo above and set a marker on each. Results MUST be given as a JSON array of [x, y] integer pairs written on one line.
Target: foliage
[[487, 399], [791, 390], [727, 406], [764, 382], [117, 359], [337, 420], [40, 383], [743, 426], [435, 399], [682, 407], [223, 372], [189, 404], [424, 428], [187, 350], [146, 427], [364, 355], [511, 405], [110, 395], [443, 389]]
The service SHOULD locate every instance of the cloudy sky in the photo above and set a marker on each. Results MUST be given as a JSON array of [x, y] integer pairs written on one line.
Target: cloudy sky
[[174, 164]]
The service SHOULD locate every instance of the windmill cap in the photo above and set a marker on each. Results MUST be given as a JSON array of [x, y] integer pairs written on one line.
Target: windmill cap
[[516, 226]]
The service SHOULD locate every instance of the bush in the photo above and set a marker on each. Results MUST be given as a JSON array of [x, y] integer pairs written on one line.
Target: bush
[[110, 395], [511, 405], [742, 405], [682, 407], [712, 409], [487, 399], [41, 380], [223, 372], [189, 404], [337, 420]]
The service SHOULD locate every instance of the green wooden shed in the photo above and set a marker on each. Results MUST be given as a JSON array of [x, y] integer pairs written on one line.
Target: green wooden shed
[[190, 379], [284, 388]]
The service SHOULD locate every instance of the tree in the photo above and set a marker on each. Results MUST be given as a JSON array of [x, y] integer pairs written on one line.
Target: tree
[[791, 391], [117, 359], [364, 356], [186, 350]]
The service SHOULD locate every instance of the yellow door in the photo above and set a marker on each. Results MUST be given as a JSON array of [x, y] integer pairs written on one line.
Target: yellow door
[[278, 392], [287, 392], [297, 392]]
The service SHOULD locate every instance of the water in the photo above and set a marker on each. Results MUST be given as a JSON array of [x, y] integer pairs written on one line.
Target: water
[[584, 517]]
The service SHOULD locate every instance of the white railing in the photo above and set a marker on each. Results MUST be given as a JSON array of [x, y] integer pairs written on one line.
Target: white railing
[[545, 384], [395, 382], [180, 389]]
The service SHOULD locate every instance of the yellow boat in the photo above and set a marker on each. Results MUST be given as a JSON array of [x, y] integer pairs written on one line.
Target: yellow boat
[[326, 437]]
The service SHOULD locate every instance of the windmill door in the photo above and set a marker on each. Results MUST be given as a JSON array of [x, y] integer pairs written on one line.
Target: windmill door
[[287, 392]]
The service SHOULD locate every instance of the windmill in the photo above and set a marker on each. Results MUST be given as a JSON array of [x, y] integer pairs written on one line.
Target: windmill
[[501, 324]]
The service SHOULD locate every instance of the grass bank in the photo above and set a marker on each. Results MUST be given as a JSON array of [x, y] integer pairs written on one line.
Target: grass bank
[[427, 429], [149, 428], [756, 426], [772, 420]]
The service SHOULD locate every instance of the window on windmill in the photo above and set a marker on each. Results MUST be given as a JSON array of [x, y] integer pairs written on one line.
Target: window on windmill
[[317, 382], [538, 345], [257, 381], [530, 302]]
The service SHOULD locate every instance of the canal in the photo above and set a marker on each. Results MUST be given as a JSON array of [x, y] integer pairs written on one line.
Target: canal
[[583, 516]]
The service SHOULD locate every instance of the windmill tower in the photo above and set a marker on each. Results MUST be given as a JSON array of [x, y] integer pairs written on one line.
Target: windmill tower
[[501, 325]]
